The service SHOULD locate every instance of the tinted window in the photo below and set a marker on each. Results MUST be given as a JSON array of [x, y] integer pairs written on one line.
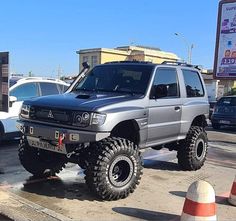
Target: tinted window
[[117, 79], [193, 84], [25, 91], [48, 88], [166, 83]]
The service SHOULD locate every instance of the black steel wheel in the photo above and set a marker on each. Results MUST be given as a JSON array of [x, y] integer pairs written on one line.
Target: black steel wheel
[[193, 150], [115, 168]]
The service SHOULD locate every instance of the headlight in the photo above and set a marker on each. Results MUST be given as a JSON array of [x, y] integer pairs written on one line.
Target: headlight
[[81, 119], [98, 119], [84, 119], [25, 111]]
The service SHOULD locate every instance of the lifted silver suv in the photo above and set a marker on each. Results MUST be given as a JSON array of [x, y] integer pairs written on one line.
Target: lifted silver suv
[[111, 112]]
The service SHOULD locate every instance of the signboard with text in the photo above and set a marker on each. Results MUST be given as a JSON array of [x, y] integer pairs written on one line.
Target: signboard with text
[[225, 50], [4, 81]]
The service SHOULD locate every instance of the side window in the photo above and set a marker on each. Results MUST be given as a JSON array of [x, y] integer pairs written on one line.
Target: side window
[[48, 88], [193, 83], [25, 91], [165, 83], [62, 87]]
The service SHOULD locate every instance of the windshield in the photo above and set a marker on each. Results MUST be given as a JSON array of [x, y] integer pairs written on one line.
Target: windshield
[[117, 78]]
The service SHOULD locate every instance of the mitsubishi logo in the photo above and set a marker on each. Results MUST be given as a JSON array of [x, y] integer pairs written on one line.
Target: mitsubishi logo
[[50, 115]]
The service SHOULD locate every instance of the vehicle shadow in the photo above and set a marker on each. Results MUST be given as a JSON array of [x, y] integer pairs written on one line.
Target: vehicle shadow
[[145, 214], [161, 165], [223, 129], [9, 143], [218, 199], [56, 187]]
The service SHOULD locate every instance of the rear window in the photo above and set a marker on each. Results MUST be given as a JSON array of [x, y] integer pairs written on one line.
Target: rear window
[[227, 101], [193, 84]]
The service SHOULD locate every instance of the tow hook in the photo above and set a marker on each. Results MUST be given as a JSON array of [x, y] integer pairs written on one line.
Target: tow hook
[[70, 154]]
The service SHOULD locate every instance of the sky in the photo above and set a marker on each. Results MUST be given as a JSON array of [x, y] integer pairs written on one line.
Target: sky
[[44, 35]]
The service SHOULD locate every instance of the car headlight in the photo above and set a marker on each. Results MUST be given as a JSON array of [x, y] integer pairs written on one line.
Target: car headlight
[[25, 111], [84, 119], [98, 119], [81, 119]]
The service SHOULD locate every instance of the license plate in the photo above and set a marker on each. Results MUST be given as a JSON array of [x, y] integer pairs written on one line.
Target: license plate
[[36, 142], [224, 122]]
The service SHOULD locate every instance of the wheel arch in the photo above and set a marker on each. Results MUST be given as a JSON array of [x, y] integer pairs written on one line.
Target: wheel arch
[[200, 121], [128, 129]]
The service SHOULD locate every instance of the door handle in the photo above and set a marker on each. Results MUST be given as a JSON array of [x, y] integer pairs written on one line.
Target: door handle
[[177, 108]]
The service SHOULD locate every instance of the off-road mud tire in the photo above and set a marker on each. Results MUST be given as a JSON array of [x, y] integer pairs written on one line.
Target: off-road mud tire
[[115, 168], [39, 162], [193, 150]]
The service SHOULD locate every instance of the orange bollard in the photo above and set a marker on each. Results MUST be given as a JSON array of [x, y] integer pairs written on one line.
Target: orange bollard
[[232, 197], [199, 204]]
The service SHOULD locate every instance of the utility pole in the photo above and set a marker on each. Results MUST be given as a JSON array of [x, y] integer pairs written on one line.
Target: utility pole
[[189, 46]]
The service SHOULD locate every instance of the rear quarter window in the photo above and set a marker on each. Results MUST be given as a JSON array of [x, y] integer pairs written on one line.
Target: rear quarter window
[[193, 83]]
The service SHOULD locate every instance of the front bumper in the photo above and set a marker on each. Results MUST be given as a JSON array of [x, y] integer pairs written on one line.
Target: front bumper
[[51, 133]]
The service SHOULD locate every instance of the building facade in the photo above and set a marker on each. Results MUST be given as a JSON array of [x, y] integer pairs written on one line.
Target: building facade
[[95, 56]]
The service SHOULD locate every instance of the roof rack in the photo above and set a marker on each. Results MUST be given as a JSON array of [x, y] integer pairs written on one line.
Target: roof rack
[[181, 64], [133, 61]]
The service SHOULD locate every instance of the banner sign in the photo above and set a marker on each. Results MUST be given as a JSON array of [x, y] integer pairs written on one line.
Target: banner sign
[[225, 50], [4, 81]]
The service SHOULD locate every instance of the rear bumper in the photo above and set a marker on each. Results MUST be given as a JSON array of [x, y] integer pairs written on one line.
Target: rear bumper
[[51, 133], [223, 120]]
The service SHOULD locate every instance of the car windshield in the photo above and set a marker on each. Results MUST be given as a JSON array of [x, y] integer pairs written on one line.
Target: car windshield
[[117, 78]]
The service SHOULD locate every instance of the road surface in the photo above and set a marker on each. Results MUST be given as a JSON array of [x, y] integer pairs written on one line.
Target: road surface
[[160, 195]]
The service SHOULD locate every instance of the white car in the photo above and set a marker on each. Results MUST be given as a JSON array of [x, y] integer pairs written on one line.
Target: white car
[[24, 89]]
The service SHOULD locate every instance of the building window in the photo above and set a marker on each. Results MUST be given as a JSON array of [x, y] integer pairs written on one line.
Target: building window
[[85, 59], [94, 61]]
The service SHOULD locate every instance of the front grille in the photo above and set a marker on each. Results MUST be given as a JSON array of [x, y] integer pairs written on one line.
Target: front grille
[[50, 115]]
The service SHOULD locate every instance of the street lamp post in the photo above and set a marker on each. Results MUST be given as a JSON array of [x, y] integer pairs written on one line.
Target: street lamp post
[[190, 47]]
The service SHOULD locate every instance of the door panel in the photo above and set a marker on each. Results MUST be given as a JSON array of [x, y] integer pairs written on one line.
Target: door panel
[[164, 119], [165, 107]]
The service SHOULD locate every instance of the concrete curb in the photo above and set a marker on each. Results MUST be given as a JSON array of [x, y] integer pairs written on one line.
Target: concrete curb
[[20, 209]]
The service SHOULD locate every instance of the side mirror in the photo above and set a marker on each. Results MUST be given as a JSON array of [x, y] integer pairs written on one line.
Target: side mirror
[[12, 99]]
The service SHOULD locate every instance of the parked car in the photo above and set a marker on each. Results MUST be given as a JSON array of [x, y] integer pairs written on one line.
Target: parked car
[[224, 112], [21, 90], [13, 80]]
